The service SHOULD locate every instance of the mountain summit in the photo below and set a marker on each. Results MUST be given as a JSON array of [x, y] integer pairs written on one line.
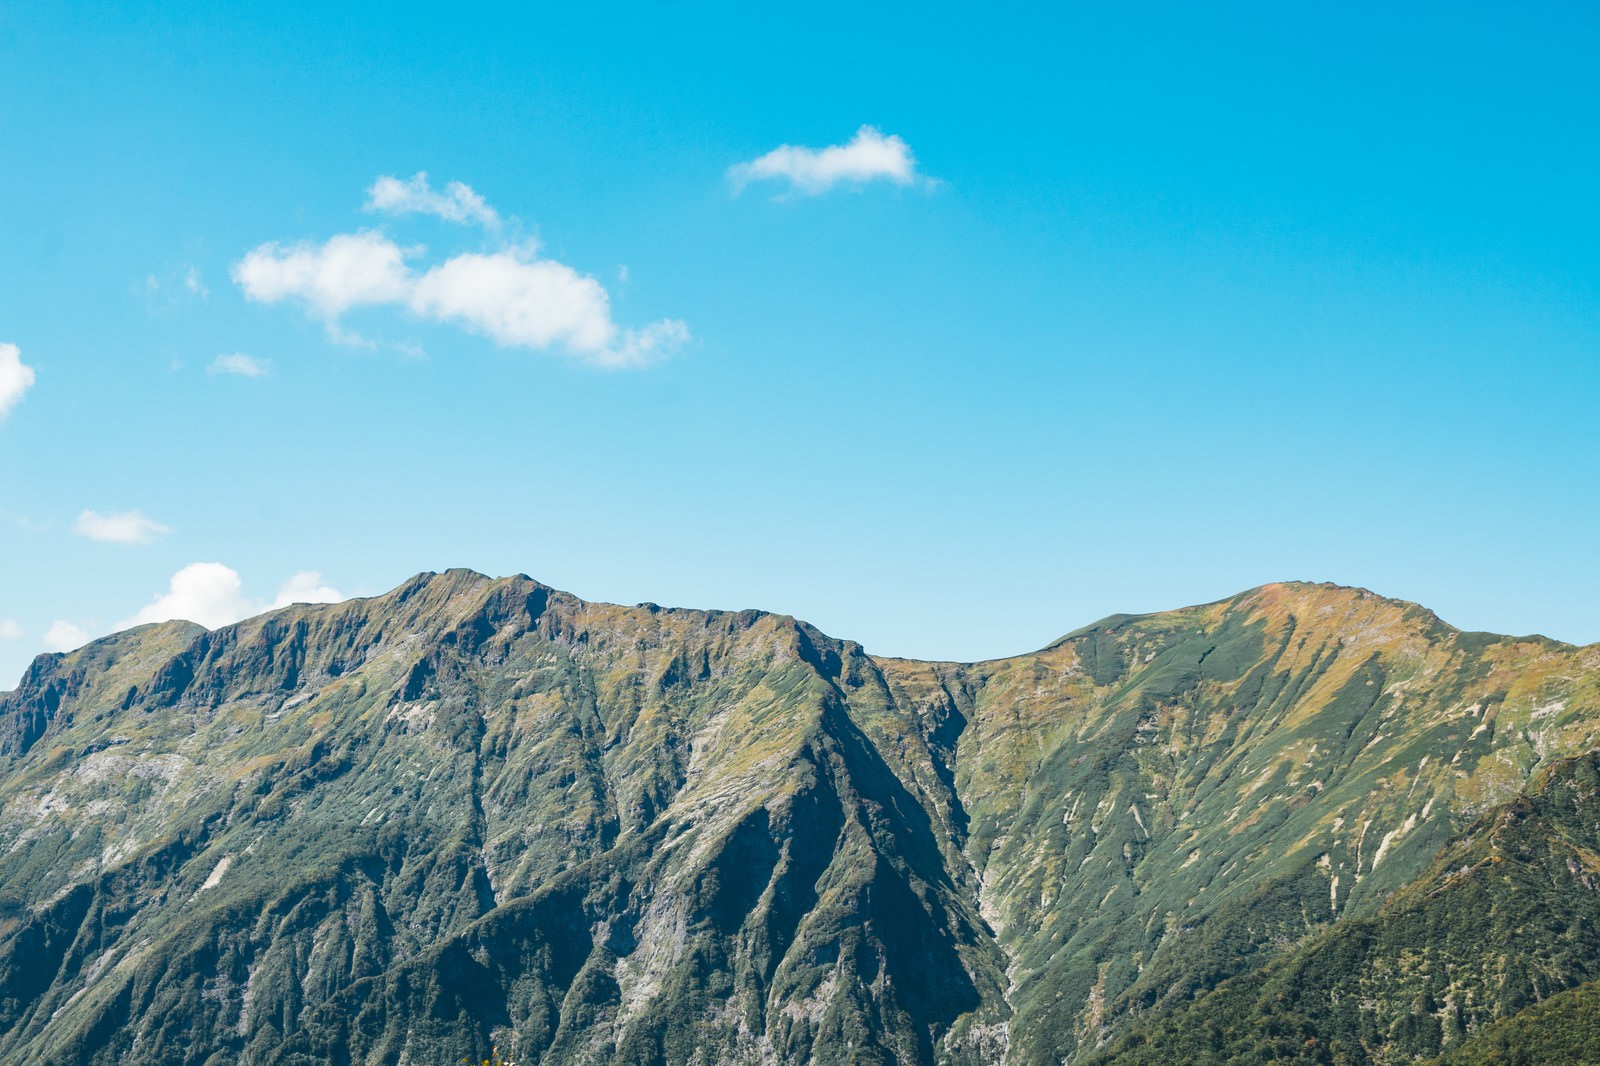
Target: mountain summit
[[1306, 823]]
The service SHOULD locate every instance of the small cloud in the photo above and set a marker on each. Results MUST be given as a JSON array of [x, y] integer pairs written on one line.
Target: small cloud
[[245, 366], [306, 587], [16, 377], [164, 293], [64, 636], [870, 156], [414, 196], [9, 630], [125, 527], [208, 593], [24, 522]]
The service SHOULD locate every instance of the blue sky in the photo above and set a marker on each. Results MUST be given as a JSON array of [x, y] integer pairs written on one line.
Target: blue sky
[[1105, 310]]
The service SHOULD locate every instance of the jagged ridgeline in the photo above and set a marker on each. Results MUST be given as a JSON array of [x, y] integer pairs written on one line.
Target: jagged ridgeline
[[1304, 824]]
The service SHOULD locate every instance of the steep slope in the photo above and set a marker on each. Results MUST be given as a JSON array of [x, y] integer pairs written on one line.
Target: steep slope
[[1563, 1030], [1508, 916], [480, 811], [470, 811]]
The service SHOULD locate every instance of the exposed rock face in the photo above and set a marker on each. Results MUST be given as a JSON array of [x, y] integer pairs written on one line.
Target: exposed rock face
[[480, 812]]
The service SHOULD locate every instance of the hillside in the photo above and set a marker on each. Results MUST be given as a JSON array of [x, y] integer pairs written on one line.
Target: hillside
[[475, 812]]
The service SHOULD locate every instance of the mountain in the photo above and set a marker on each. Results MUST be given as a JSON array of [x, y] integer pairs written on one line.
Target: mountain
[[1306, 823]]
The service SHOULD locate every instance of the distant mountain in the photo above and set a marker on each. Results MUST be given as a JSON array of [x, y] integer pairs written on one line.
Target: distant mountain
[[1303, 824]]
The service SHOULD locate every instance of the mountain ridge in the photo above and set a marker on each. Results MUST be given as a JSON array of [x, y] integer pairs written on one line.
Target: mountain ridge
[[476, 810], [1112, 620]]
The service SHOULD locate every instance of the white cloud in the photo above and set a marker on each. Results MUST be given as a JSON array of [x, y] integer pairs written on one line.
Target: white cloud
[[9, 630], [213, 595], [512, 296], [16, 377], [208, 593], [124, 527], [458, 203], [529, 303], [870, 156], [306, 587], [246, 366], [520, 301], [64, 636], [196, 287], [348, 270]]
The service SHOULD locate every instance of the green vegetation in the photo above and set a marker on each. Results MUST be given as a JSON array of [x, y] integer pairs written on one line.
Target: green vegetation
[[1304, 824], [1564, 1030], [1507, 917]]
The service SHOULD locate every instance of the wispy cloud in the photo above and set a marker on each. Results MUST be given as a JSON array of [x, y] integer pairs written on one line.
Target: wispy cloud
[[24, 522], [869, 156], [245, 366], [167, 292], [16, 377], [513, 296], [414, 196], [124, 527], [9, 630]]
